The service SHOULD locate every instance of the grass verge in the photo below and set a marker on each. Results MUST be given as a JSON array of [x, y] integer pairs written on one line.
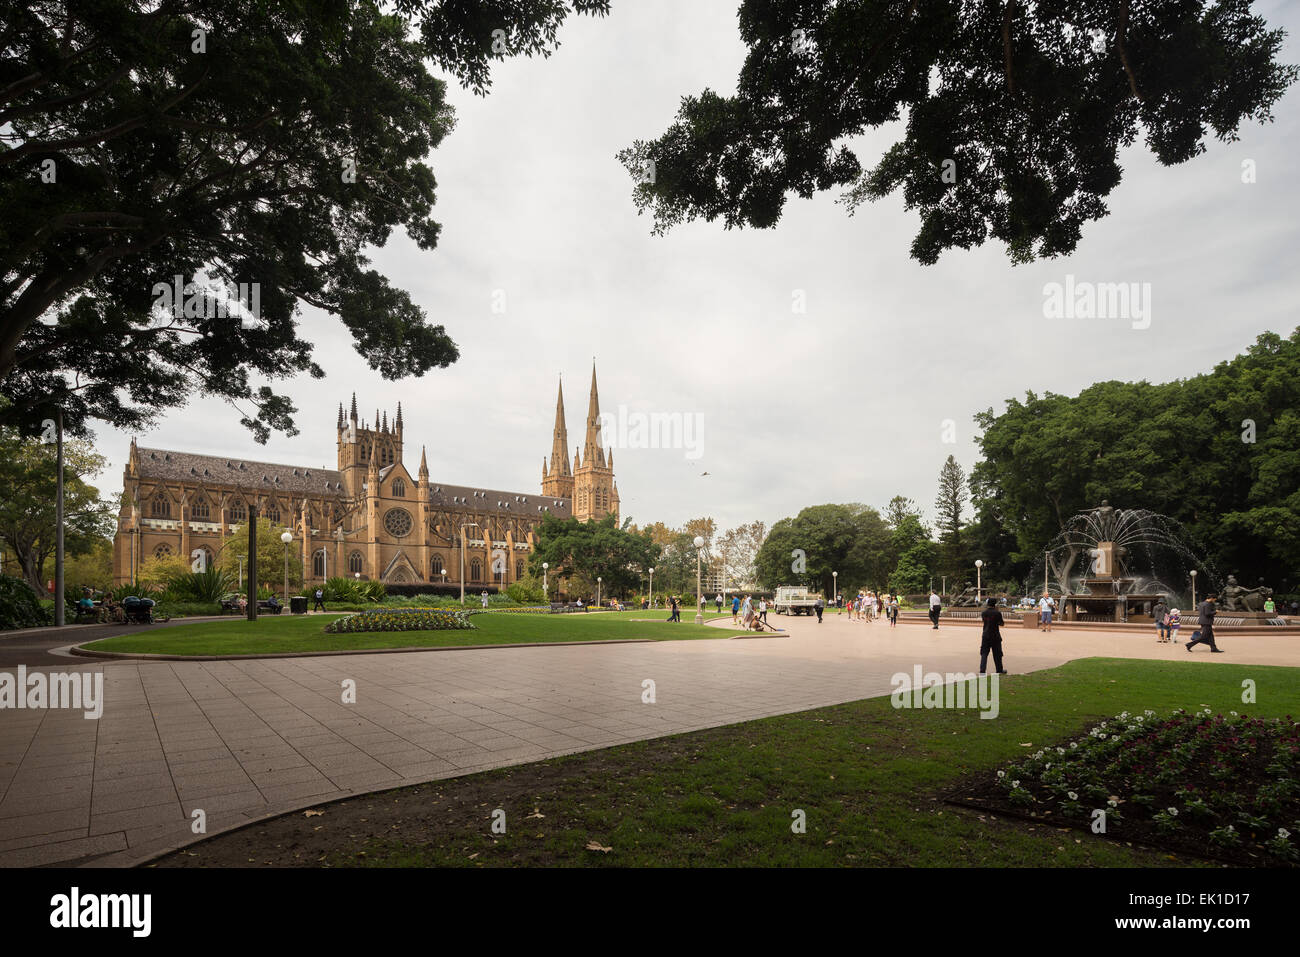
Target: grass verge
[[293, 633]]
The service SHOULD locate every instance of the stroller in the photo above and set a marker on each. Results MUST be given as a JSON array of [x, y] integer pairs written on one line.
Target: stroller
[[138, 610]]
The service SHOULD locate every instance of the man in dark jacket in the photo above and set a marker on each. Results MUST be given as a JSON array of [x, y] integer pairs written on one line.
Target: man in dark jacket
[[992, 637], [1205, 619]]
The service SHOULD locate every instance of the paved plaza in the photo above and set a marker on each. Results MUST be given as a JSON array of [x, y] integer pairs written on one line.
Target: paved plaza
[[242, 740]]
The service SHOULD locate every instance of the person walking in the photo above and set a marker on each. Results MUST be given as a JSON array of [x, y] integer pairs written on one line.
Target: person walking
[[762, 609], [936, 603], [1046, 606], [821, 606], [991, 639], [320, 600], [735, 608], [1160, 612], [747, 613], [718, 599], [1205, 619], [675, 609], [893, 611]]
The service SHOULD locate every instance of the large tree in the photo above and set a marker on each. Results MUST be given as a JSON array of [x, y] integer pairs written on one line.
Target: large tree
[[28, 477], [810, 547], [949, 504], [1014, 112], [224, 142], [580, 552], [1215, 452]]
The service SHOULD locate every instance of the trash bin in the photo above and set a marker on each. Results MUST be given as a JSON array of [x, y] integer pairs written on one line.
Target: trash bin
[[298, 604]]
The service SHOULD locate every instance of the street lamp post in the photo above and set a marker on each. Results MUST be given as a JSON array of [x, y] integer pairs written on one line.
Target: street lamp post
[[59, 611], [652, 587], [699, 548], [979, 584], [835, 577], [1193, 588], [462, 558], [598, 591], [546, 591], [1046, 555], [286, 537]]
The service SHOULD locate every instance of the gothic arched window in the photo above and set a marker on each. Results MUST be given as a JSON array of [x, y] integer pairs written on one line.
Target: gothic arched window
[[200, 510], [399, 488], [318, 564], [354, 562], [238, 512], [475, 570], [435, 565], [160, 507], [162, 551], [519, 568]]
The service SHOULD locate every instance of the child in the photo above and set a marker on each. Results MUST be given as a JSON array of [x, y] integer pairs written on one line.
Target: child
[[1174, 624]]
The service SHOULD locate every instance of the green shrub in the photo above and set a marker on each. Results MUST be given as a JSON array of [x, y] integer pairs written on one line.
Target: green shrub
[[526, 591], [208, 586], [19, 606]]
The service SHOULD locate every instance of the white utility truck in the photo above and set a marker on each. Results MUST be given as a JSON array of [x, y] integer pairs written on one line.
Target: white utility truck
[[795, 600]]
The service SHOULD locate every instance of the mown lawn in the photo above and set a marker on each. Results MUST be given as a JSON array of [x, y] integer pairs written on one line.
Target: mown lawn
[[870, 780], [284, 633]]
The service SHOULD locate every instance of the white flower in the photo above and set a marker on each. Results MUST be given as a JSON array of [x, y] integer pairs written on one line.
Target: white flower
[[1113, 803], [1002, 774], [1015, 784], [1048, 767], [1233, 713], [1102, 736], [1283, 833], [1073, 796], [1073, 745], [1173, 811]]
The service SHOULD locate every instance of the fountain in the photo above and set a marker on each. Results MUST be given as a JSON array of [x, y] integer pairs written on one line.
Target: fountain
[[1126, 552]]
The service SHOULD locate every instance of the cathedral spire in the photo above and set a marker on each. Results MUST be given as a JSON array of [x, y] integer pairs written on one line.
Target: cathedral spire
[[424, 467], [354, 406], [592, 451], [560, 441], [397, 425]]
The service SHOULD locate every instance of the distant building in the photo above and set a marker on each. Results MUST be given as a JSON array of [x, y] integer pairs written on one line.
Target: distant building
[[369, 516]]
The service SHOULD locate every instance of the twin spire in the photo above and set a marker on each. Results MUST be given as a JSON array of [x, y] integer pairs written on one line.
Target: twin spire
[[590, 451]]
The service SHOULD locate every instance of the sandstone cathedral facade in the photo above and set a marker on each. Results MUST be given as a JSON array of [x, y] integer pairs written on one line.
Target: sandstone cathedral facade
[[369, 516]]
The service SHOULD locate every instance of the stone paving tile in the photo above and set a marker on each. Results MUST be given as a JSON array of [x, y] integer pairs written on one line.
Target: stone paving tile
[[35, 856]]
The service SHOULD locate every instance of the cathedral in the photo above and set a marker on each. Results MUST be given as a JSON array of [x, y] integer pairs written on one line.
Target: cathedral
[[369, 517]]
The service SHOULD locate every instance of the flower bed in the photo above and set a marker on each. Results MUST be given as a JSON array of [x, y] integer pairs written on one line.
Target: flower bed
[[400, 619], [1215, 786]]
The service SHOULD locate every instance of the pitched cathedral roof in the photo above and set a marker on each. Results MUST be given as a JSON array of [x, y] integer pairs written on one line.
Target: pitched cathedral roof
[[172, 466]]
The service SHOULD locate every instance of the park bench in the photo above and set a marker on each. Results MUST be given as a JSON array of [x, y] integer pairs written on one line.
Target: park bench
[[266, 606]]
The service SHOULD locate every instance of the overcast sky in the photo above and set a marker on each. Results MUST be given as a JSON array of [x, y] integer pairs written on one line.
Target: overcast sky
[[843, 403]]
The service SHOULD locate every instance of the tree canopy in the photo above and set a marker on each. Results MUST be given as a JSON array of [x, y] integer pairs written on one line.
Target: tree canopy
[[1015, 113], [580, 552], [224, 142], [28, 477], [1215, 452]]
